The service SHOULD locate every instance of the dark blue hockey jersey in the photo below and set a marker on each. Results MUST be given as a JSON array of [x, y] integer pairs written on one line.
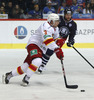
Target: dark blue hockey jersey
[[67, 28]]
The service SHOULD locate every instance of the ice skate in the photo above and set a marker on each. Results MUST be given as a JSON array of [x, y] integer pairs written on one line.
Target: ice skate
[[25, 81], [40, 69], [6, 77]]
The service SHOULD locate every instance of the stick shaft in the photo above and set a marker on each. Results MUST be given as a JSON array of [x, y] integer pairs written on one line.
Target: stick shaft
[[65, 80], [82, 56], [64, 73]]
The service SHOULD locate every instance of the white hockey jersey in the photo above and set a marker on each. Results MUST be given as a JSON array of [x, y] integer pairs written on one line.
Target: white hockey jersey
[[45, 37]]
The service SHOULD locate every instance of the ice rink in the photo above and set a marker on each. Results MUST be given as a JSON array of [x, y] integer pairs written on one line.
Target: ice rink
[[49, 85]]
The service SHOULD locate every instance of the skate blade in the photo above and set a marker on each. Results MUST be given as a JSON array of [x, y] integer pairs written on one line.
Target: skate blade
[[3, 79], [37, 72], [24, 84]]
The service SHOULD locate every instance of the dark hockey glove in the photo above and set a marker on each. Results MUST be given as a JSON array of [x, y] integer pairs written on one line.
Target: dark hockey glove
[[70, 43]]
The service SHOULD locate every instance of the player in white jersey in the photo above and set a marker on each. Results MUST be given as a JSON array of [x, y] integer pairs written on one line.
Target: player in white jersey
[[45, 36], [67, 29]]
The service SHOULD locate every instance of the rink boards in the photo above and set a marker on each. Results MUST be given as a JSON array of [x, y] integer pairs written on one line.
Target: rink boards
[[14, 34]]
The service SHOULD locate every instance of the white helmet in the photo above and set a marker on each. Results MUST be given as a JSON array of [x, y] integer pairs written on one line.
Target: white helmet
[[52, 17]]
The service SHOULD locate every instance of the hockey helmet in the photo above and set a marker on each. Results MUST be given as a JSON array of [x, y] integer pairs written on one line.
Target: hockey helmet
[[68, 11], [52, 17]]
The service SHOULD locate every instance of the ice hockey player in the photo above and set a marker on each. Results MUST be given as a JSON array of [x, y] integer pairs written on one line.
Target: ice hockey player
[[67, 28], [46, 35]]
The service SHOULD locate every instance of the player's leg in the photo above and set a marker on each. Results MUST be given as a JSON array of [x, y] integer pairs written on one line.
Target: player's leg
[[36, 62], [23, 68], [45, 59], [18, 71], [35, 56]]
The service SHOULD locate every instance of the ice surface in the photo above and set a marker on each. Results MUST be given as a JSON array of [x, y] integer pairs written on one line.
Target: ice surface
[[49, 85]]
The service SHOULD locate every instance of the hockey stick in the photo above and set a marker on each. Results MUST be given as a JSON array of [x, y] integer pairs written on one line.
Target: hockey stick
[[65, 80], [82, 56]]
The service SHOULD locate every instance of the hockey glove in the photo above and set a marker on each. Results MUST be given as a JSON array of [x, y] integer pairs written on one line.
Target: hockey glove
[[60, 42], [59, 53], [70, 43]]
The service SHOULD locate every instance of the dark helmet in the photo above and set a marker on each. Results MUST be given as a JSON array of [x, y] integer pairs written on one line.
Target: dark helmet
[[67, 11]]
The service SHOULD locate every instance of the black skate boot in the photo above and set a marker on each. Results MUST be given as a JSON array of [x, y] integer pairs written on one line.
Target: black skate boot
[[6, 77], [25, 80], [40, 69]]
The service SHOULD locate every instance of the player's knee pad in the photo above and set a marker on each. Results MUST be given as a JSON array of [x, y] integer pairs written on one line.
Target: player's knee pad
[[24, 67], [37, 62]]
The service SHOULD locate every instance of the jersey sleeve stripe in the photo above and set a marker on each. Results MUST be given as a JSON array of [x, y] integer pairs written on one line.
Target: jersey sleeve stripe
[[48, 41], [56, 39]]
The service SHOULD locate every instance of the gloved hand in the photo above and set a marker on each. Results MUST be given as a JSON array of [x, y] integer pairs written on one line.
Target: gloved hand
[[70, 43], [60, 42], [59, 53]]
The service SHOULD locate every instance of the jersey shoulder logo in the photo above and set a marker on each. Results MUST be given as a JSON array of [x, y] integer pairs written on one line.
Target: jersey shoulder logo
[[46, 35]]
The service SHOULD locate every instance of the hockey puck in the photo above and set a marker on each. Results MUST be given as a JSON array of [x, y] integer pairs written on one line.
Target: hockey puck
[[82, 90]]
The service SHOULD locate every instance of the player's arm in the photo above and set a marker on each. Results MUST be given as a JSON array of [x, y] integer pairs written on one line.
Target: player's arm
[[50, 43], [58, 39], [71, 40]]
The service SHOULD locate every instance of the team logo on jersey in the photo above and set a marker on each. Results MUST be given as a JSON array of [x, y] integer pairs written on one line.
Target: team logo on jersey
[[64, 31], [70, 25], [20, 32], [33, 52], [45, 36]]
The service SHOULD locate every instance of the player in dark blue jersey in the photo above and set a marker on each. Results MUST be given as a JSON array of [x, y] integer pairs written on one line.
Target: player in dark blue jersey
[[67, 29]]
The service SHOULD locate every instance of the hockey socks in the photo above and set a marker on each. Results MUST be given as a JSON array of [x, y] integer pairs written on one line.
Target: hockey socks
[[45, 60], [20, 70]]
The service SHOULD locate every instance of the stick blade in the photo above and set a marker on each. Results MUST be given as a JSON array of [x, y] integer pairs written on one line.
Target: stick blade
[[72, 86]]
